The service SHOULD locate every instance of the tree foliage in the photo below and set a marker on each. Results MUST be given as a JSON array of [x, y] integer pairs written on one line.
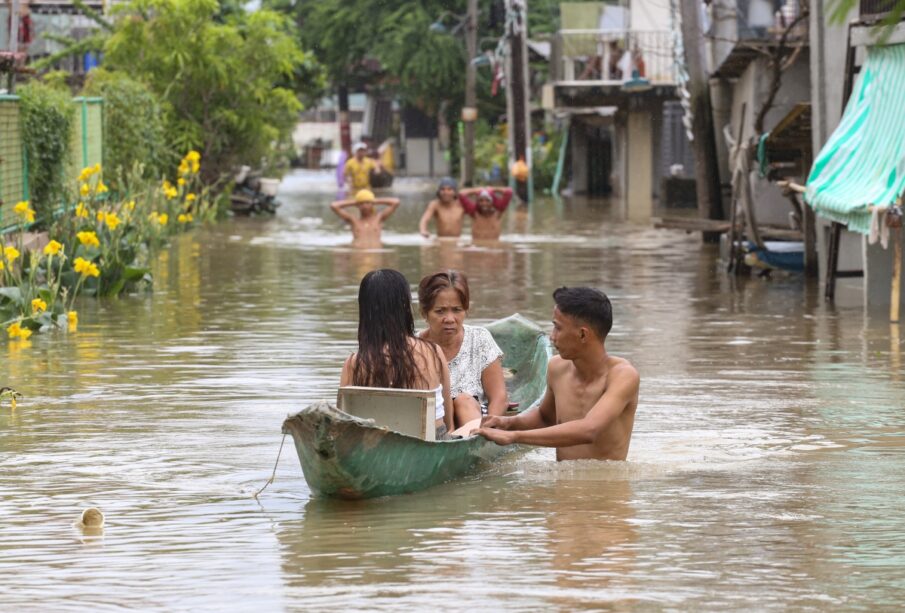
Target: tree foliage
[[47, 124], [134, 132], [226, 80]]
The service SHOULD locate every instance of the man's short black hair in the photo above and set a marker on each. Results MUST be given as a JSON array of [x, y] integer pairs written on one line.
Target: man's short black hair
[[589, 305]]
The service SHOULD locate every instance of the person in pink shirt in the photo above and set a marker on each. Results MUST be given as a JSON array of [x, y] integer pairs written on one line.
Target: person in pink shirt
[[486, 206]]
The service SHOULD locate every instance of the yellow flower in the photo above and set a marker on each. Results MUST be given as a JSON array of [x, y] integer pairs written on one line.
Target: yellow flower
[[24, 333], [72, 318], [97, 167], [196, 167], [86, 268], [81, 210], [100, 216], [171, 193], [89, 239], [130, 205], [85, 189], [165, 185], [193, 156], [112, 221], [21, 209], [52, 248], [38, 306], [14, 330], [163, 218], [190, 197], [11, 253], [184, 167], [1, 265], [180, 181], [101, 188], [185, 218]]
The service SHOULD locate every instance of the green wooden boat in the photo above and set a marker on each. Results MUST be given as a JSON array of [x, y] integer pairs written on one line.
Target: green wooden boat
[[343, 456]]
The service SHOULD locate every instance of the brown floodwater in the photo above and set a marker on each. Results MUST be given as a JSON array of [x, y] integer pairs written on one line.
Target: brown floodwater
[[767, 469]]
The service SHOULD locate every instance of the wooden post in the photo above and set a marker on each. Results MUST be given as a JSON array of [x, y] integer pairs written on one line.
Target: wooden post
[[895, 294], [469, 113], [345, 137], [517, 86], [13, 43], [706, 168]]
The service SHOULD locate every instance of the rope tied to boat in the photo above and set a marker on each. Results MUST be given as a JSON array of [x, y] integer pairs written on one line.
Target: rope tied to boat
[[274, 474]]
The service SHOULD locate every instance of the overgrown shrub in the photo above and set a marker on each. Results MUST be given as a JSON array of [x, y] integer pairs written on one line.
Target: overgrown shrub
[[46, 116], [222, 84], [133, 129]]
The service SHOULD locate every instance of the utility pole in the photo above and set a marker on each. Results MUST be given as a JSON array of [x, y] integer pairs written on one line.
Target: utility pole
[[706, 169], [345, 137], [470, 111], [13, 44], [517, 90]]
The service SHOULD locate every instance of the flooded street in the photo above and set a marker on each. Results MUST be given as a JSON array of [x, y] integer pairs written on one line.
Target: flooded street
[[766, 470]]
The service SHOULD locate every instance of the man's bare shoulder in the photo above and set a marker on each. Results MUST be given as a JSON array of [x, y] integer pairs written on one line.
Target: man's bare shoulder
[[621, 369], [557, 366]]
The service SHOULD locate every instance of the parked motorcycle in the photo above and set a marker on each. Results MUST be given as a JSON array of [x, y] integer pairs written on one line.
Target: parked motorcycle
[[253, 193]]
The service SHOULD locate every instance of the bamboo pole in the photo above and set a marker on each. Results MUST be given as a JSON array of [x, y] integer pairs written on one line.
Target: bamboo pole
[[895, 294]]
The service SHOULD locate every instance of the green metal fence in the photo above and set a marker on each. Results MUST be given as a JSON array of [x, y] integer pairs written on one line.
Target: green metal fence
[[87, 135], [87, 149], [13, 165]]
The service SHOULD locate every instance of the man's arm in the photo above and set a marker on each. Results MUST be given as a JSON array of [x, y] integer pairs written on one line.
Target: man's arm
[[468, 204], [623, 389], [425, 219], [542, 417], [391, 205], [494, 385], [501, 198], [338, 206]]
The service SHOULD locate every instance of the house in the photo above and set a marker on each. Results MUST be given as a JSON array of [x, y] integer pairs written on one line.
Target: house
[[613, 80]]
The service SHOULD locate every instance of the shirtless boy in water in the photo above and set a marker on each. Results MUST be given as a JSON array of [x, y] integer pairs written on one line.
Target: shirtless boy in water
[[589, 408], [447, 209], [366, 228], [486, 211]]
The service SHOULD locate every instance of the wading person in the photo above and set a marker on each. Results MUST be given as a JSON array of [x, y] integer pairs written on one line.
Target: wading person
[[447, 211], [588, 410], [389, 354], [486, 210], [366, 228], [475, 360], [359, 167]]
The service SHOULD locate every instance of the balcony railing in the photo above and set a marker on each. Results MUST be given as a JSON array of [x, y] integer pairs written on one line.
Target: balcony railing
[[614, 55], [874, 9]]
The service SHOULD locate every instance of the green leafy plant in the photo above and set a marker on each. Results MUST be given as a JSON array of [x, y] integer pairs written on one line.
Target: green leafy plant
[[134, 131], [223, 80], [47, 116]]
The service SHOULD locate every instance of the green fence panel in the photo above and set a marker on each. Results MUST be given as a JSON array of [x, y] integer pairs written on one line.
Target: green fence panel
[[87, 148], [13, 168]]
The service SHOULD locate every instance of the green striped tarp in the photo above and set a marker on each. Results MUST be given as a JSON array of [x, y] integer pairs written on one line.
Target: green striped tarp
[[863, 162]]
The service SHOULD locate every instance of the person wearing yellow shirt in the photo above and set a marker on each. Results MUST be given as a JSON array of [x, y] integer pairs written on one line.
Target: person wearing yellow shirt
[[358, 168]]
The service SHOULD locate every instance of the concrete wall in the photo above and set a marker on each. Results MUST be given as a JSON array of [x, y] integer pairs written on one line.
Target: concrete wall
[[649, 15], [578, 141], [424, 158], [748, 93]]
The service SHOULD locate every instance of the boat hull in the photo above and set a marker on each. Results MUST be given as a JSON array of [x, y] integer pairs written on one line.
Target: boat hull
[[343, 456]]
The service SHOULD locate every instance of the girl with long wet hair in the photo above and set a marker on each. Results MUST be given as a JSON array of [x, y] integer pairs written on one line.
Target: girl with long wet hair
[[389, 354]]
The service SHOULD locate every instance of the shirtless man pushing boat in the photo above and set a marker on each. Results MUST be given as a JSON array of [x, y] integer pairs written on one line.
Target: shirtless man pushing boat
[[589, 408]]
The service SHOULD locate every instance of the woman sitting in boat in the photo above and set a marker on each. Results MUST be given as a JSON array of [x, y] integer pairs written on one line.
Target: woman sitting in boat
[[389, 354], [475, 360]]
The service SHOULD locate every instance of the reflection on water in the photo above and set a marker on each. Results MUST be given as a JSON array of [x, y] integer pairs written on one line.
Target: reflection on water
[[765, 471]]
